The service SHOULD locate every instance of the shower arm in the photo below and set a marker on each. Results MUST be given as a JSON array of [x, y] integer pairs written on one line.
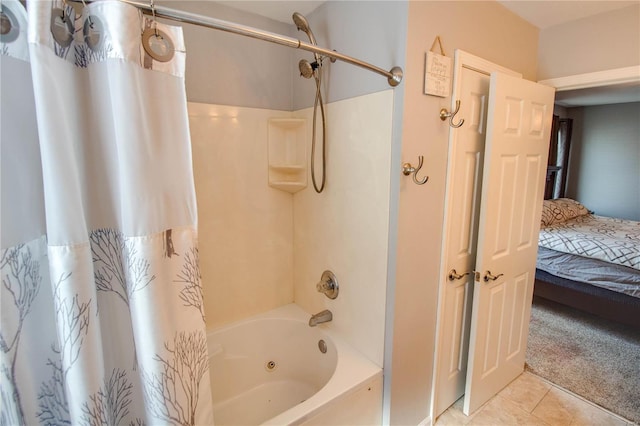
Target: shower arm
[[394, 76]]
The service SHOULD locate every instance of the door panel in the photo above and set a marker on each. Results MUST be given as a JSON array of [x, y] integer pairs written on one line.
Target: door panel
[[490, 363], [477, 110], [506, 188], [465, 223], [516, 150], [455, 355], [518, 324], [529, 229]]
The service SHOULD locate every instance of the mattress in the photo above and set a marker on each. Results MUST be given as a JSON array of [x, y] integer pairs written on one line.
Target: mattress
[[597, 272]]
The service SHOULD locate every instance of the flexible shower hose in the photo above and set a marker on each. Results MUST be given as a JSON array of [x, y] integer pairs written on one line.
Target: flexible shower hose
[[313, 137]]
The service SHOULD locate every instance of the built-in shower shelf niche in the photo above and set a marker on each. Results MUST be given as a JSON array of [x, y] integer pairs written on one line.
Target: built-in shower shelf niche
[[288, 154]]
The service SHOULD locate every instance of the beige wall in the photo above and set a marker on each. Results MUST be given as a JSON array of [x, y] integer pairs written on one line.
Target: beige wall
[[484, 29], [596, 43]]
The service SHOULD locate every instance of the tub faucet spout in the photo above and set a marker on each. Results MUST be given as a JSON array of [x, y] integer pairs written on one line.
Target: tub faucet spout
[[320, 317]]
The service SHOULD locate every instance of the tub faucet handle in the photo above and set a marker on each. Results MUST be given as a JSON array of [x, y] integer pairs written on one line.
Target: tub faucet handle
[[328, 285]]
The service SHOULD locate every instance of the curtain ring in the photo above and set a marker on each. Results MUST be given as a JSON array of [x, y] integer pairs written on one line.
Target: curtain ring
[[155, 42]]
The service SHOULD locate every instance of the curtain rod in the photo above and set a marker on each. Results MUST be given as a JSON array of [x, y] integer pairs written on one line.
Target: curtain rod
[[394, 76]]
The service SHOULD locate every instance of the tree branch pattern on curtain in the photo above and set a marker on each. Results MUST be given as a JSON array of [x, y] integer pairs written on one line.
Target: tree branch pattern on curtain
[[101, 298]]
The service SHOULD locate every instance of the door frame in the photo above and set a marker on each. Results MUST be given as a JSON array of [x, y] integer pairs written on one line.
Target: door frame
[[609, 77], [462, 60]]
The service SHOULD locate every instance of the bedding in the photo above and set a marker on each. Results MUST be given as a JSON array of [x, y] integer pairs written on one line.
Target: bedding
[[586, 271], [611, 240]]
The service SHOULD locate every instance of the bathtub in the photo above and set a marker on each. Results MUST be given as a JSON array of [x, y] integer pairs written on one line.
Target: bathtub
[[274, 369]]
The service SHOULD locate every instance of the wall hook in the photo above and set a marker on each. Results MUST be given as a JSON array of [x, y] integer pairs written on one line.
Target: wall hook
[[444, 114], [408, 169]]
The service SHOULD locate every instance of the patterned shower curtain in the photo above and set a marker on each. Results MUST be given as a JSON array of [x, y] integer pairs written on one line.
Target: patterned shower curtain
[[101, 302]]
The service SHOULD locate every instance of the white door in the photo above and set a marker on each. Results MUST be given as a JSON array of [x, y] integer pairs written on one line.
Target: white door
[[459, 247], [516, 151], [464, 179]]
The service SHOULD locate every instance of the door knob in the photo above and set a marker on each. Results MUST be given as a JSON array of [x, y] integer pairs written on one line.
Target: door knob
[[488, 276], [453, 275]]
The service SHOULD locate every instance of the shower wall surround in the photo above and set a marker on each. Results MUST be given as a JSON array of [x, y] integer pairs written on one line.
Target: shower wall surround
[[245, 227], [345, 228], [261, 248]]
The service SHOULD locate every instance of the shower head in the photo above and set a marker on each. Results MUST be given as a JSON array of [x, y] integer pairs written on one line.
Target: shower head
[[303, 25], [306, 68]]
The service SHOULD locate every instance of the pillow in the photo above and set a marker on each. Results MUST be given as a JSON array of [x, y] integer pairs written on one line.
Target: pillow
[[561, 210]]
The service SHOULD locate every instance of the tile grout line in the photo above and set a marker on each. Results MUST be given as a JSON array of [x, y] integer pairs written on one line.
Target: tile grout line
[[538, 403]]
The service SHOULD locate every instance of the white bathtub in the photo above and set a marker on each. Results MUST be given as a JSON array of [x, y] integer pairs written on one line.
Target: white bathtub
[[269, 369]]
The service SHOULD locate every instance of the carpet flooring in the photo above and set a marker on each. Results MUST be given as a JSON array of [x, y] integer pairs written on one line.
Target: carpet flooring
[[589, 356]]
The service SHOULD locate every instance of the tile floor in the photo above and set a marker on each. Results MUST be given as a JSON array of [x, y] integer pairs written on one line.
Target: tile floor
[[531, 400]]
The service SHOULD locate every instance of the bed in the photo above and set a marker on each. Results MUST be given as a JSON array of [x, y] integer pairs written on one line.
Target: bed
[[589, 262]]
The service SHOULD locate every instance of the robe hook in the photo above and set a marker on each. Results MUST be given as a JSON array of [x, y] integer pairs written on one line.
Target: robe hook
[[408, 169], [444, 114]]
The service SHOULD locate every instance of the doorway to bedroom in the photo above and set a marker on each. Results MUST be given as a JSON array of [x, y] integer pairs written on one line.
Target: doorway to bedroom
[[585, 329]]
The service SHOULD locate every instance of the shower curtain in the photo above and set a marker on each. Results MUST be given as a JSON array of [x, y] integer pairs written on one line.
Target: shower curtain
[[101, 302]]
